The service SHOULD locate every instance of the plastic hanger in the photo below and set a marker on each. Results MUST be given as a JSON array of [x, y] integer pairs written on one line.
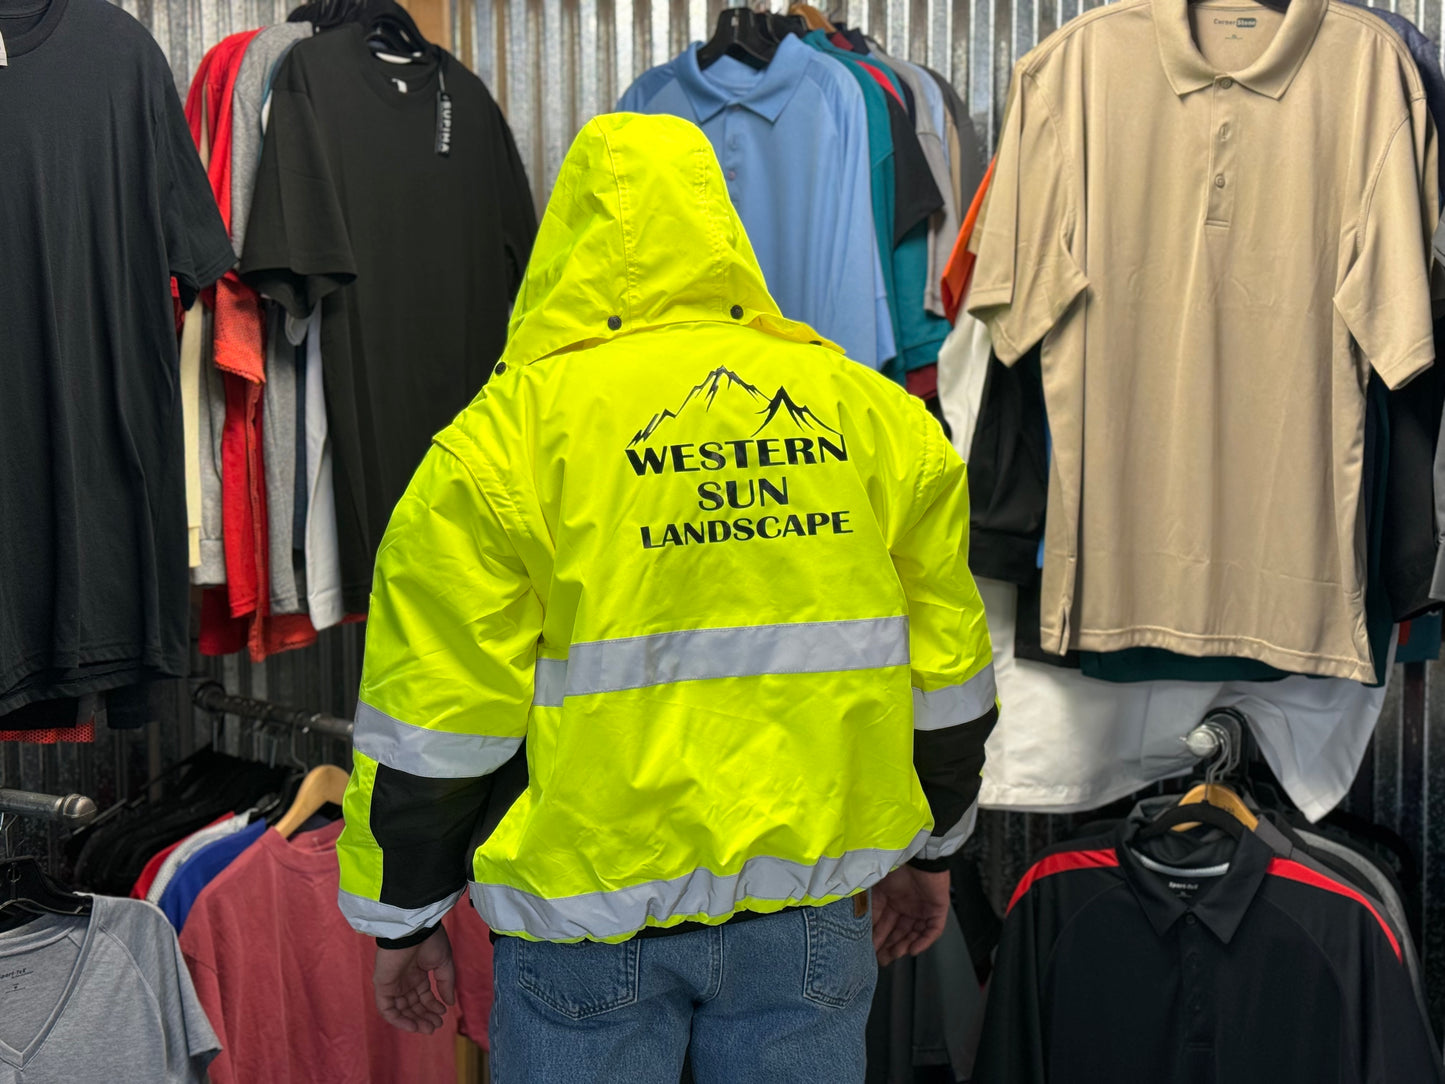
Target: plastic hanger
[[740, 35], [777, 27], [815, 19], [321, 785], [27, 891], [1184, 816], [391, 28]]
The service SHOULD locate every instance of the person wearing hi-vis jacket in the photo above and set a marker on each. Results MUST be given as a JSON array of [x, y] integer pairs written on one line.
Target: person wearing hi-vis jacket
[[674, 661]]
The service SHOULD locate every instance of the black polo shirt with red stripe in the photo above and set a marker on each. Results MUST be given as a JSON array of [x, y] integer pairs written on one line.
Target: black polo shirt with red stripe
[[1110, 971]]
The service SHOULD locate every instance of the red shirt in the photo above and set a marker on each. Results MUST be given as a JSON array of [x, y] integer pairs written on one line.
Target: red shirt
[[286, 982], [240, 614]]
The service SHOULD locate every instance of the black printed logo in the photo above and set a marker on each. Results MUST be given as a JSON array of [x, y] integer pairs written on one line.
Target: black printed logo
[[779, 432]]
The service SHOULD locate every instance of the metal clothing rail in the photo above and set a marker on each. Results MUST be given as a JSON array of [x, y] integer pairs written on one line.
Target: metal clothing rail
[[212, 697], [71, 810]]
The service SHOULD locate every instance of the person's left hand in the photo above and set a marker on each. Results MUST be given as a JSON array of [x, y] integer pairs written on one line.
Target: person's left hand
[[910, 909], [403, 982]]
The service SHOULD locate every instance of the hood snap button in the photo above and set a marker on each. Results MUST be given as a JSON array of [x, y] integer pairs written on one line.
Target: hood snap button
[[501, 368], [614, 322], [737, 312]]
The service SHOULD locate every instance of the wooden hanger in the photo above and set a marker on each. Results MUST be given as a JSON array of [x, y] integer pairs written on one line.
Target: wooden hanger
[[815, 19], [321, 785], [1221, 797]]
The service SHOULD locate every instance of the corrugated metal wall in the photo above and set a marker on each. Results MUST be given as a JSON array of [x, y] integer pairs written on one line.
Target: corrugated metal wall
[[554, 63]]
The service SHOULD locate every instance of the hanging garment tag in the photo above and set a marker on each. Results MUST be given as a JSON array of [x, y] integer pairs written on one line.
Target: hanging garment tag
[[444, 117], [4, 58], [400, 85]]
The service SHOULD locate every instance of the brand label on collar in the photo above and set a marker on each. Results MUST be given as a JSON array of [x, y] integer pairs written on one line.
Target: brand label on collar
[[4, 58], [1244, 22], [1185, 890]]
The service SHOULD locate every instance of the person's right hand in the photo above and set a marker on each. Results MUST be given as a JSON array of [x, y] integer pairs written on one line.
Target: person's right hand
[[909, 911], [403, 982]]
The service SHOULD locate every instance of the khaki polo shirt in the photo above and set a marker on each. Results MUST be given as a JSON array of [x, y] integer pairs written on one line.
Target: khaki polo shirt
[[1217, 217]]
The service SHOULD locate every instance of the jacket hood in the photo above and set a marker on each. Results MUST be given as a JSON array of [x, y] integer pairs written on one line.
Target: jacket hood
[[639, 232]]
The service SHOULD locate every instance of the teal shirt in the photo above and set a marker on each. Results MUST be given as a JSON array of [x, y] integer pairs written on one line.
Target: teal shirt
[[918, 332], [880, 156]]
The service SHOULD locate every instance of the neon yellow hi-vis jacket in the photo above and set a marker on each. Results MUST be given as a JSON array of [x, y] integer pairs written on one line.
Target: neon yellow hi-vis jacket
[[706, 574]]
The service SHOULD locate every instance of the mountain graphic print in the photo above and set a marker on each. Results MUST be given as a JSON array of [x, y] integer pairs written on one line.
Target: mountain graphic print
[[723, 380]]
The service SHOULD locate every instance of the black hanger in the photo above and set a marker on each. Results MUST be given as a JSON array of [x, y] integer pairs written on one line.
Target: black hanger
[[1194, 812], [738, 35], [26, 891], [775, 27], [391, 29]]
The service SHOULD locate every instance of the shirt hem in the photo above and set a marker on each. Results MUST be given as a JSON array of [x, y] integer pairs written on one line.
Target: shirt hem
[[1292, 660]]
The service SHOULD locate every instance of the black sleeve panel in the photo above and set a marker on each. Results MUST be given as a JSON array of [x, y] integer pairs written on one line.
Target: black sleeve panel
[[949, 763], [424, 828]]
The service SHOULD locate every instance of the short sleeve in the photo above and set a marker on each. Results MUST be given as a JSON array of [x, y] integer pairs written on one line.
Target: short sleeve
[[198, 250], [190, 1043], [915, 193], [298, 249], [1384, 296], [1026, 276]]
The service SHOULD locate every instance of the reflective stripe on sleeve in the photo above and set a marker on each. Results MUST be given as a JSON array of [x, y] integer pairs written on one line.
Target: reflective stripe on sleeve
[[948, 843], [603, 915], [954, 704], [383, 920], [550, 684], [637, 662], [436, 754]]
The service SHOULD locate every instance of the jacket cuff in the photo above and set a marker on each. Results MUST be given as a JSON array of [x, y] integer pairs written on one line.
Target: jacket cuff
[[409, 940], [931, 865]]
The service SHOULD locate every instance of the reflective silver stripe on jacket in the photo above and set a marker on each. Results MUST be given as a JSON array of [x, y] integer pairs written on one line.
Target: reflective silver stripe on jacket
[[948, 843], [383, 920], [613, 914], [636, 662], [954, 704], [435, 754]]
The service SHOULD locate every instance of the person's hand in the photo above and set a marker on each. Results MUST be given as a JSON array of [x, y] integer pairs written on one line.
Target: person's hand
[[403, 983], [909, 911]]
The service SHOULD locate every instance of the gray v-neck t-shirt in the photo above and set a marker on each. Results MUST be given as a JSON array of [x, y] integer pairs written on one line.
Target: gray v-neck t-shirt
[[100, 997]]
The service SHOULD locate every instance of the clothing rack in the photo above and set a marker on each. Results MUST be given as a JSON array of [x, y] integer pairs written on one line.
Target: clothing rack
[[71, 810], [211, 696]]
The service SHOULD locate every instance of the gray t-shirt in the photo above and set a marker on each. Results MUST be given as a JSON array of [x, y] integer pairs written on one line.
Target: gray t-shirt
[[100, 997]]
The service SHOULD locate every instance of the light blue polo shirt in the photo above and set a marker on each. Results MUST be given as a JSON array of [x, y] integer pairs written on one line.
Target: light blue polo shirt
[[793, 143]]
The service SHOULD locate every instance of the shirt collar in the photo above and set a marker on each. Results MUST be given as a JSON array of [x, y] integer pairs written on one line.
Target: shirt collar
[[1221, 908], [767, 97], [1187, 70]]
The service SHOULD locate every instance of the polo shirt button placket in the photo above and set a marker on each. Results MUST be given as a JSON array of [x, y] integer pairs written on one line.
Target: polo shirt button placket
[[1222, 154]]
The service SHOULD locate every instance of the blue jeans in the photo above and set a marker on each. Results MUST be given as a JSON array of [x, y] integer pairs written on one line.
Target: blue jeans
[[772, 1000]]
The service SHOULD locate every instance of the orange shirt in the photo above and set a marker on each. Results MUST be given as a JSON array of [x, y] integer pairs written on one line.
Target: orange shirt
[[959, 270]]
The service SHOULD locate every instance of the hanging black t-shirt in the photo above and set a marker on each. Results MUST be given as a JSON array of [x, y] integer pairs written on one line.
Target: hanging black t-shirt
[[413, 255], [102, 200]]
